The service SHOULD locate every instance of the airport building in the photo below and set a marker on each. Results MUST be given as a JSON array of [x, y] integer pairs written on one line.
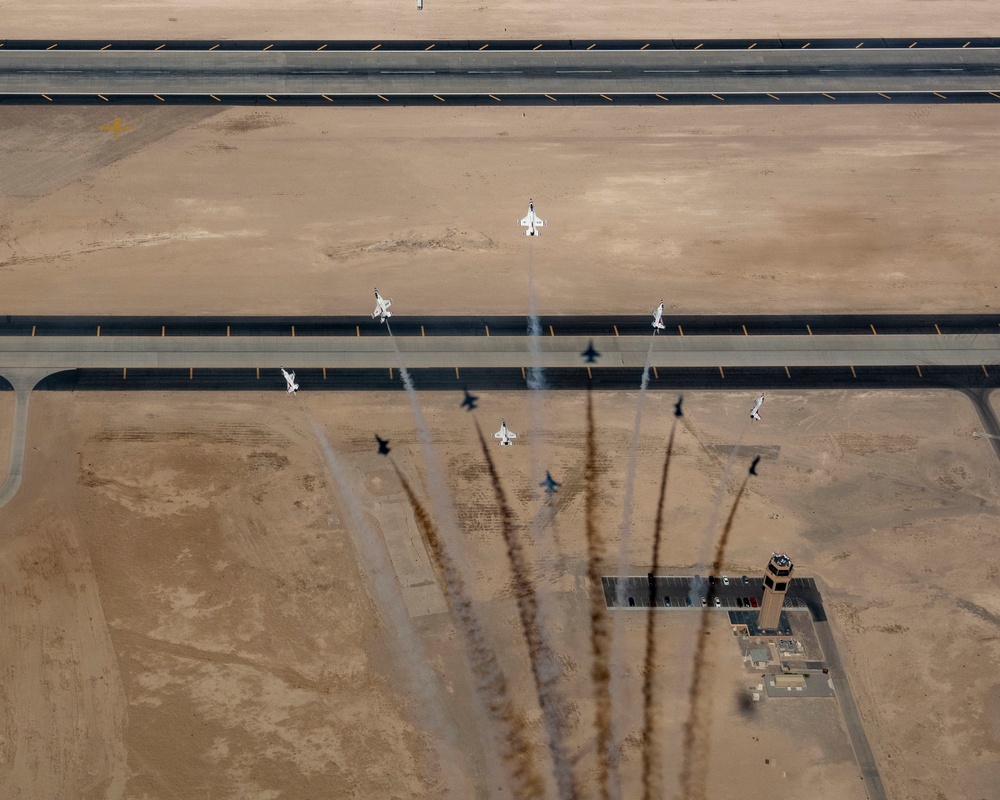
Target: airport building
[[777, 577]]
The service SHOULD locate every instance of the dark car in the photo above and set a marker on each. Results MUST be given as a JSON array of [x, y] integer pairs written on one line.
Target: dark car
[[739, 602], [687, 601], [666, 602], [753, 602], [746, 602], [746, 580]]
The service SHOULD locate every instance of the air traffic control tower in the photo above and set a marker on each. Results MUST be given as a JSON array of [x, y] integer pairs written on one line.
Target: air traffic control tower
[[776, 580]]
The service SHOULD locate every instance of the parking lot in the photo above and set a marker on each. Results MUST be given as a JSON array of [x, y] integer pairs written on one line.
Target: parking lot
[[682, 592]]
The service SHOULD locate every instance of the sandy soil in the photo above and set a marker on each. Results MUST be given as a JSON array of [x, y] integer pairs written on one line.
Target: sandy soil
[[304, 210], [179, 586], [396, 19]]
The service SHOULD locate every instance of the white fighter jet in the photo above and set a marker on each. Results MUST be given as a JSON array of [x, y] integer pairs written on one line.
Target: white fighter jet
[[753, 414], [504, 435], [381, 308], [293, 387], [658, 318], [531, 222]]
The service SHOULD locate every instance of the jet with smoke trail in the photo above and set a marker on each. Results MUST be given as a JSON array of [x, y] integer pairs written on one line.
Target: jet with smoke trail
[[381, 308], [532, 222], [505, 436]]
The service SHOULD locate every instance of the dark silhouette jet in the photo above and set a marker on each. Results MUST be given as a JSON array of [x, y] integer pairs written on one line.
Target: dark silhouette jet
[[753, 466], [590, 355], [677, 407], [383, 445], [550, 484], [470, 400]]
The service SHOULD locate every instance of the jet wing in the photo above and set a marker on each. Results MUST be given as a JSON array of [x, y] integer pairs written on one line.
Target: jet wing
[[526, 221], [511, 434], [498, 434], [539, 223]]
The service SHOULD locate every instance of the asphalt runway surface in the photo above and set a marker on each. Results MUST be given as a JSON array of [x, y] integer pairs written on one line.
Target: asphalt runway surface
[[471, 325], [479, 379], [497, 73], [491, 353]]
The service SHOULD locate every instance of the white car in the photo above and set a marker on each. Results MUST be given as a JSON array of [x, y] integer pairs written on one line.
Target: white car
[[725, 580], [718, 602]]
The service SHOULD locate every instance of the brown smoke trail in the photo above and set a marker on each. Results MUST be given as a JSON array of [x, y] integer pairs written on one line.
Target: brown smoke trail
[[600, 636], [543, 663], [649, 731], [490, 681], [692, 777]]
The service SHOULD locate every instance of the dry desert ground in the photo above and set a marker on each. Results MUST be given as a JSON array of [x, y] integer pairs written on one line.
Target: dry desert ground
[[494, 19], [192, 602]]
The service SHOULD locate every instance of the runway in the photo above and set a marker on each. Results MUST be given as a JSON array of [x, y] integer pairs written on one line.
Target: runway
[[368, 359], [543, 72], [474, 325]]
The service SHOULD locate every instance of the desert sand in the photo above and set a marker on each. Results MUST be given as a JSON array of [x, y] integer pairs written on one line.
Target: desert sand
[[188, 610], [247, 211], [180, 589], [551, 19]]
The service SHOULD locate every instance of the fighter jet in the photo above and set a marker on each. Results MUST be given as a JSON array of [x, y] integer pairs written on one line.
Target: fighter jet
[[381, 308], [753, 466], [677, 407], [658, 318], [469, 403], [383, 445], [293, 387], [504, 435], [753, 414], [590, 355], [550, 483], [531, 222]]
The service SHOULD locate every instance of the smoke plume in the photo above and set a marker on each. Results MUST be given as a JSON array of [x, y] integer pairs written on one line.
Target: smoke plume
[[650, 743], [599, 633], [490, 681], [543, 664], [694, 756]]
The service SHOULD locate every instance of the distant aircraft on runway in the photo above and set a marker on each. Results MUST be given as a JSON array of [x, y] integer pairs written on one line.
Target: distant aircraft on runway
[[504, 435], [383, 445], [531, 222], [658, 318], [550, 483], [753, 414], [469, 403], [381, 308], [293, 387]]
